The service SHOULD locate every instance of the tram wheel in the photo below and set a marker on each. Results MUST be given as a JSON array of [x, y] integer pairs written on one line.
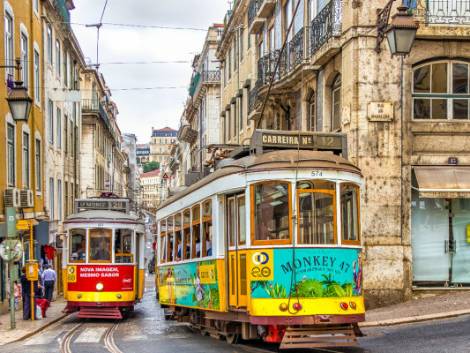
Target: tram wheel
[[232, 338]]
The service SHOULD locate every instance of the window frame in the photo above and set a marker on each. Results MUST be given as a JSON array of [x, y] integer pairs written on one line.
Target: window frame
[[37, 76], [204, 221], [448, 96], [9, 41], [37, 161], [336, 86], [89, 236], [24, 57], [358, 207], [69, 259], [331, 192], [11, 162], [252, 214], [26, 158]]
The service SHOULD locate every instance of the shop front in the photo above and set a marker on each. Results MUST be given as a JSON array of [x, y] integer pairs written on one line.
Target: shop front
[[440, 226]]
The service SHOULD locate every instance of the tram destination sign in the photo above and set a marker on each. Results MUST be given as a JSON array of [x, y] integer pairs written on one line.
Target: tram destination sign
[[272, 139], [121, 205]]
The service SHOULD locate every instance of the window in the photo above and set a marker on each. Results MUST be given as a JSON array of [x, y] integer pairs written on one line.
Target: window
[[24, 60], [299, 17], [311, 126], [51, 199], [77, 252], [271, 213], [37, 92], [441, 91], [66, 134], [9, 47], [57, 58], [231, 219], [241, 220], [50, 110], [36, 6], [123, 246], [26, 163], [350, 214], [180, 237], [100, 245], [163, 242], [240, 113], [59, 199], [65, 69], [206, 228], [317, 215], [196, 226], [171, 242], [59, 128], [66, 199], [37, 158], [11, 154], [336, 104], [49, 43]]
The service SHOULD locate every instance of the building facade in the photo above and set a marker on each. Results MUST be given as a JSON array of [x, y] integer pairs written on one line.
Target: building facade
[[62, 62], [151, 186], [133, 185], [102, 160], [22, 178], [160, 144], [406, 123], [142, 154]]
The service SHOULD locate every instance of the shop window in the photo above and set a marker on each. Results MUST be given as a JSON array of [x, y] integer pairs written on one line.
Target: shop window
[[195, 227], [317, 212], [350, 214], [271, 218], [207, 228], [123, 246], [441, 91], [77, 245], [100, 245]]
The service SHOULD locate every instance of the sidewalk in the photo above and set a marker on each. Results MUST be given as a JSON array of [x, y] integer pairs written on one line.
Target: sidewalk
[[443, 306], [27, 328]]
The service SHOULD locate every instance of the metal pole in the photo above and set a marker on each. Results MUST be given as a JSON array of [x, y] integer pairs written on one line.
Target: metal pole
[[31, 259], [11, 267]]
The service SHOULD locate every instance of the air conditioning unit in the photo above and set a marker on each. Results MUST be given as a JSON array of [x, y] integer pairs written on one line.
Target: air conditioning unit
[[27, 199], [12, 197]]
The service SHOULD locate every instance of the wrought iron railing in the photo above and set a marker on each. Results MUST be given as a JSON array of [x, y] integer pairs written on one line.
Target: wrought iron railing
[[253, 8], [325, 25], [253, 96], [447, 12], [296, 50], [211, 76]]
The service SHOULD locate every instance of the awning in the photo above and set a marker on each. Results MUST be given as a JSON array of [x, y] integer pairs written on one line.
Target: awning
[[443, 182]]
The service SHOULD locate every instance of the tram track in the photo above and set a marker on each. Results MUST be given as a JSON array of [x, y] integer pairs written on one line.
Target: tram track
[[108, 340]]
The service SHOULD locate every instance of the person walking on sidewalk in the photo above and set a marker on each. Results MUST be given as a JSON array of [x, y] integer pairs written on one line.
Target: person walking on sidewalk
[[49, 277]]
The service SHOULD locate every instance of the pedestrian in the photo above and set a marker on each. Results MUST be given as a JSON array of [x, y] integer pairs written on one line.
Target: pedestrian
[[26, 294], [49, 277], [17, 293]]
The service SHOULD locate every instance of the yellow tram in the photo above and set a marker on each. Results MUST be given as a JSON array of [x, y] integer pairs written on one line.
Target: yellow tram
[[267, 246], [103, 259]]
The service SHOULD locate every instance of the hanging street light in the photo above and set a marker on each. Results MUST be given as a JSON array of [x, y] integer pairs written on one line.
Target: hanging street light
[[401, 32], [19, 102]]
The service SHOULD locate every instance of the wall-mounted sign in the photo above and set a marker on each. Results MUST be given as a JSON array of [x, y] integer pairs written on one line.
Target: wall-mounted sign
[[380, 111]]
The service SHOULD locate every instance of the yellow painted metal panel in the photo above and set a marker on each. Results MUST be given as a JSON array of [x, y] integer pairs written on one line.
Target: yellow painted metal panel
[[100, 296]]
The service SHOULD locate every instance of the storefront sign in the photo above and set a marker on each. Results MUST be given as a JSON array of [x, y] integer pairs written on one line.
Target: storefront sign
[[380, 111]]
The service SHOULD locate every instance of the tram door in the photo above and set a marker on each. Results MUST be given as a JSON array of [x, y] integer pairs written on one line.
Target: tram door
[[237, 254]]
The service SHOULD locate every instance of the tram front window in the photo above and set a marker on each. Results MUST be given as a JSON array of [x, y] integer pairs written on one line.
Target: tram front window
[[316, 217], [77, 245], [123, 246], [350, 214], [100, 245], [272, 212]]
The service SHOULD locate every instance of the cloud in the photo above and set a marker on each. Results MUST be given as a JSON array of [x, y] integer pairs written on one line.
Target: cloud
[[140, 110]]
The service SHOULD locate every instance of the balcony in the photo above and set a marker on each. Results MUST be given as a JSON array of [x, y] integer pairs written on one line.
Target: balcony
[[267, 8], [95, 106], [447, 12], [194, 84], [187, 134], [255, 23], [63, 7], [211, 77], [325, 25]]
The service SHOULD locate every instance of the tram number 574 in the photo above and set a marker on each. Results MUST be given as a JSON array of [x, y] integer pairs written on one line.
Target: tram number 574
[[317, 173]]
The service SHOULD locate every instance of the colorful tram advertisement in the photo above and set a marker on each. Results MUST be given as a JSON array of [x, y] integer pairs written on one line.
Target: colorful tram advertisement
[[267, 247], [103, 261]]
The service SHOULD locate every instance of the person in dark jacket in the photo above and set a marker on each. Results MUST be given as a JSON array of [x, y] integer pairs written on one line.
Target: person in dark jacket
[[26, 294]]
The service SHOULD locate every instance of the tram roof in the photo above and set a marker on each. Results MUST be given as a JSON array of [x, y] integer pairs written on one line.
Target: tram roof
[[276, 160], [105, 215]]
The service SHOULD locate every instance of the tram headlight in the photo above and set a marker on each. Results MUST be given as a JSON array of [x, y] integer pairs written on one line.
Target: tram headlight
[[352, 305], [343, 305], [283, 307], [99, 286], [119, 296], [297, 306]]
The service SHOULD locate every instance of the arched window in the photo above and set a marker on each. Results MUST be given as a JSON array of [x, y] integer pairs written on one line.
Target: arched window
[[311, 116], [336, 104], [441, 91]]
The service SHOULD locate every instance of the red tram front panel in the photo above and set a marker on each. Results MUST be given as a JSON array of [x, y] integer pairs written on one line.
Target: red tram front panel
[[101, 284]]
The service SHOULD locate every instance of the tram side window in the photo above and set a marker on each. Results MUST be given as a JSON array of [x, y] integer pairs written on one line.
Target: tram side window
[[123, 246], [196, 228], [171, 242], [350, 213], [207, 228], [178, 236], [271, 216], [100, 245], [77, 245], [163, 242], [241, 220]]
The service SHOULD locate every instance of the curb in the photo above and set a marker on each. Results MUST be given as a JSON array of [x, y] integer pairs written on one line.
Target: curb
[[412, 319], [39, 329]]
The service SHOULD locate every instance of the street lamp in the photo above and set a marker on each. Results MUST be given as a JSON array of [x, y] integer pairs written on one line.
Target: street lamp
[[19, 102], [401, 32]]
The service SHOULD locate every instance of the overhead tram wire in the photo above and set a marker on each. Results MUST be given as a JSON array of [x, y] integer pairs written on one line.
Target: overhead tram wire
[[98, 27]]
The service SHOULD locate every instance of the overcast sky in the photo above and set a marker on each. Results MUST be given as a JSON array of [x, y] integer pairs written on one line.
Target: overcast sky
[[139, 110]]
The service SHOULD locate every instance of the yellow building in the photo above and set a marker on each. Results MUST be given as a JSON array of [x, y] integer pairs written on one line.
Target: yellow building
[[21, 159]]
